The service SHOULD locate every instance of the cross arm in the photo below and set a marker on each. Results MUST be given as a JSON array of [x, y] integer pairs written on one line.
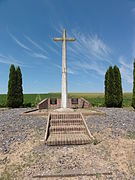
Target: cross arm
[[70, 39], [58, 39]]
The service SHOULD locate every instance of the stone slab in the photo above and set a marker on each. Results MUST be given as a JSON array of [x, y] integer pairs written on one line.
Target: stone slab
[[45, 112]]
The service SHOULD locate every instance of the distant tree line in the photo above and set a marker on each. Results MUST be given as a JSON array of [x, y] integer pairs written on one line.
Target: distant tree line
[[113, 87], [15, 90]]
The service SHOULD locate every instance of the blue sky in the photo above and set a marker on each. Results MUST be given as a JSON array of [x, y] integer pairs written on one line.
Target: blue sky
[[104, 32]]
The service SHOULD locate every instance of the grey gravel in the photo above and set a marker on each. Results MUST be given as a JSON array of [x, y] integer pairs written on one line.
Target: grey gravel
[[116, 118], [15, 127], [66, 159]]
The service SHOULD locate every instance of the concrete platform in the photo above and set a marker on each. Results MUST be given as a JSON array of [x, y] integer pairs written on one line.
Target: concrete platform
[[46, 112]]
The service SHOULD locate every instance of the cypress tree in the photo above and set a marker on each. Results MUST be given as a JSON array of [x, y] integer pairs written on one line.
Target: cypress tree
[[113, 88], [133, 96], [106, 87], [11, 96], [19, 89], [109, 87], [118, 95]]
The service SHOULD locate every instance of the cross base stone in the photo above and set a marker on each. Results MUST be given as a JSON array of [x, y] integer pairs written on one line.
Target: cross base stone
[[64, 110]]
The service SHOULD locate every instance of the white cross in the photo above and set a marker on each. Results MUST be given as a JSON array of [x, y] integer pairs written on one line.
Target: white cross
[[64, 96]]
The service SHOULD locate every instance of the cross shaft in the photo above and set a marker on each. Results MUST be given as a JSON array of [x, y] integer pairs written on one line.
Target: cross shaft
[[64, 96]]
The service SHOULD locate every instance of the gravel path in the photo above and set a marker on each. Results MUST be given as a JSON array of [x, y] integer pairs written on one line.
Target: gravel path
[[25, 155]]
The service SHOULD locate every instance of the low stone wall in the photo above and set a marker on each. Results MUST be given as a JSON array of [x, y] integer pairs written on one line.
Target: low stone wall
[[54, 106], [54, 103], [82, 103], [43, 104]]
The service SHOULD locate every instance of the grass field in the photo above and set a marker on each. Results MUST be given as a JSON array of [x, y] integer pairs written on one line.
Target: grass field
[[97, 99]]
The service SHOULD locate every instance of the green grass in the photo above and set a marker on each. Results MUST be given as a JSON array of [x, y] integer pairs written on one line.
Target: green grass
[[5, 175], [131, 135], [3, 100], [96, 99]]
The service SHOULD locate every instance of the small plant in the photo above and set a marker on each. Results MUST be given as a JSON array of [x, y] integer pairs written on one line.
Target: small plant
[[95, 142], [38, 99], [5, 175], [131, 135], [98, 175]]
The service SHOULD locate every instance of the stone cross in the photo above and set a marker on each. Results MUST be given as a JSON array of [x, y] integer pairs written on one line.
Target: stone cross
[[64, 96]]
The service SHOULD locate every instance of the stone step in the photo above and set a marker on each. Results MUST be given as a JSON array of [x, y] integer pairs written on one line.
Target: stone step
[[68, 128], [67, 132], [66, 139], [66, 122], [65, 116]]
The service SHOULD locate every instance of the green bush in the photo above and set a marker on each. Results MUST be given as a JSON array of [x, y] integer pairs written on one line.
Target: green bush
[[25, 105], [95, 141]]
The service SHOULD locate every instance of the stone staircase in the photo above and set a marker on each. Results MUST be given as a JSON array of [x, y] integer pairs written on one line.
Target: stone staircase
[[66, 129]]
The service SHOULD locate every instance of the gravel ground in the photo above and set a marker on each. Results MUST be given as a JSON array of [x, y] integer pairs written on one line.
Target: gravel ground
[[24, 155], [15, 128], [117, 119]]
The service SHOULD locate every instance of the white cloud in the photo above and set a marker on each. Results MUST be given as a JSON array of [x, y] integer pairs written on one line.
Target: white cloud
[[18, 42], [29, 51], [11, 60], [35, 44], [59, 29], [88, 52], [86, 67], [126, 70], [91, 46], [133, 10], [69, 70], [37, 55], [53, 49]]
